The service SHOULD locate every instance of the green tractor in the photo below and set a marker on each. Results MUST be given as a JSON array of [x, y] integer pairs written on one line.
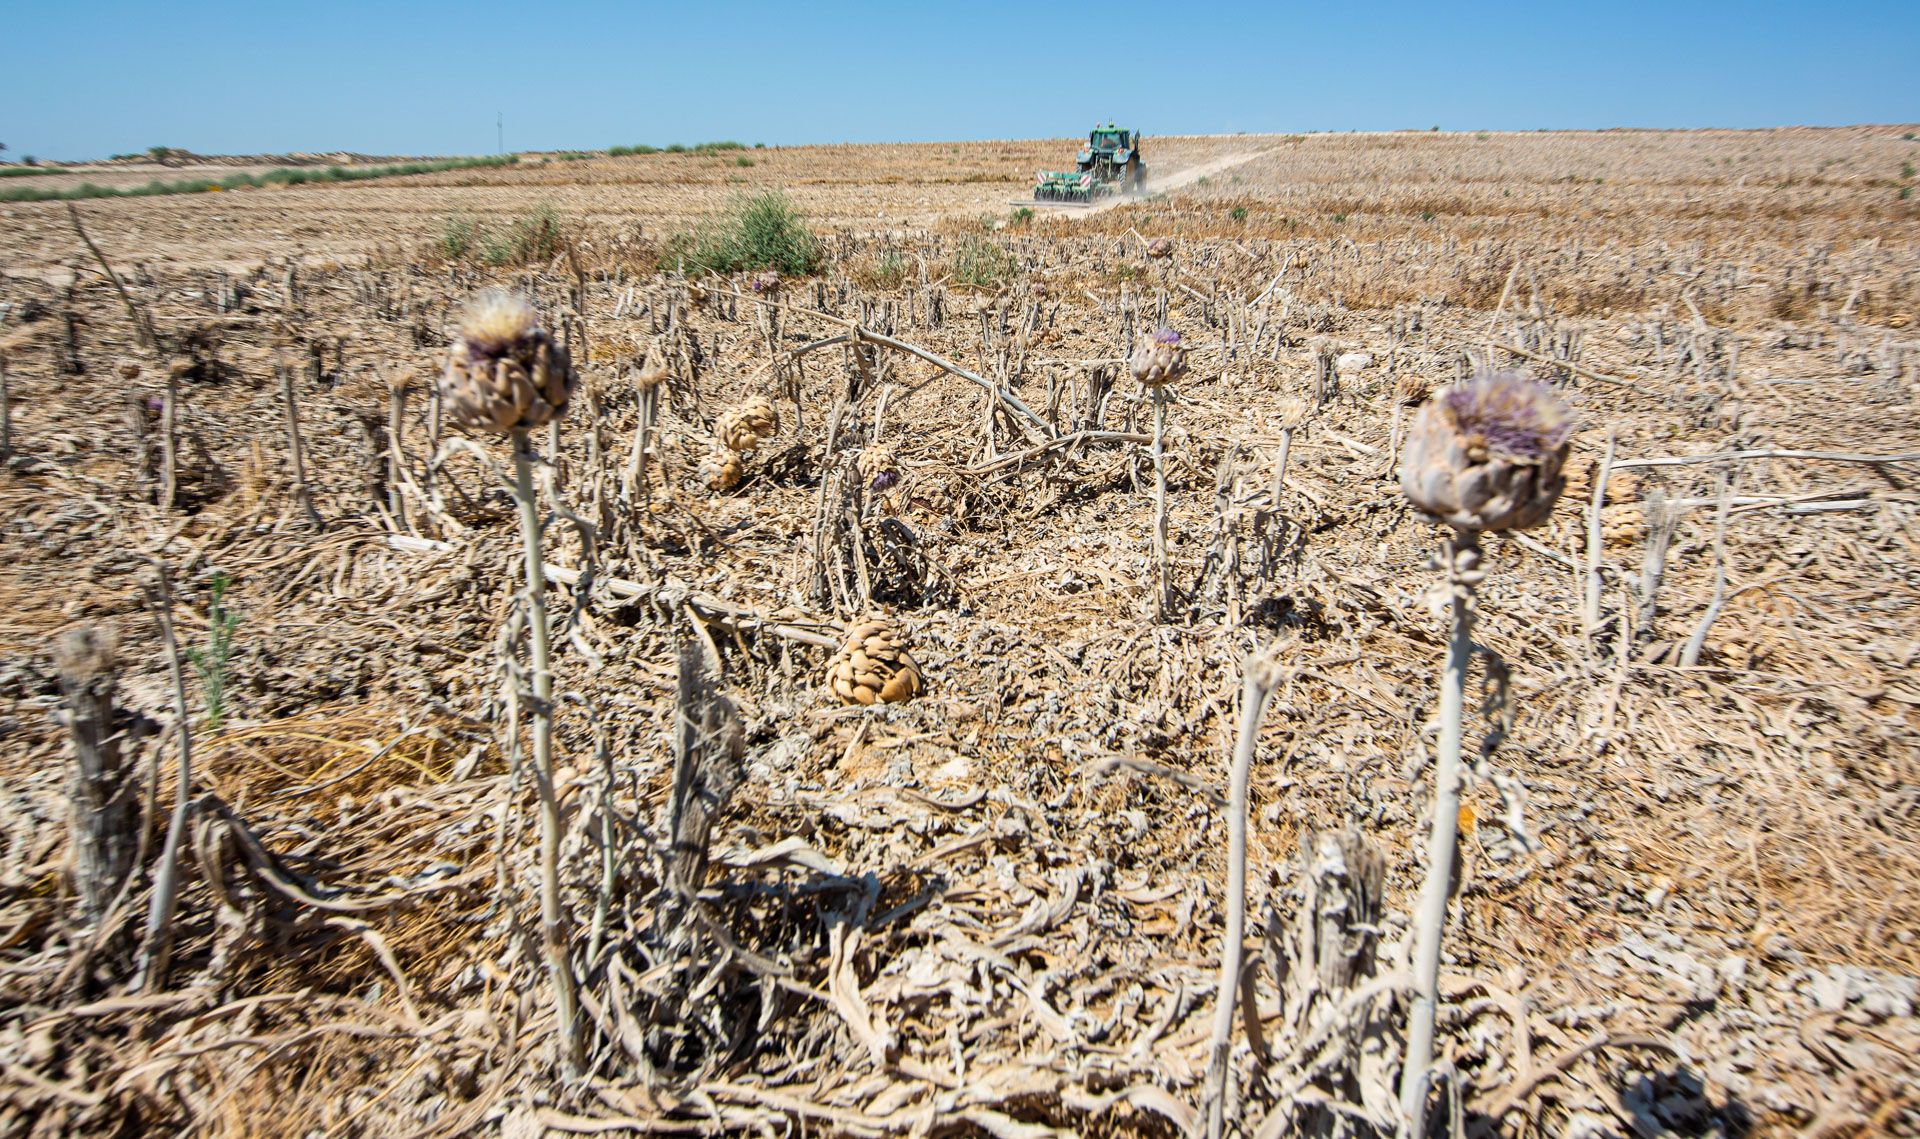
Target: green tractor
[[1110, 163]]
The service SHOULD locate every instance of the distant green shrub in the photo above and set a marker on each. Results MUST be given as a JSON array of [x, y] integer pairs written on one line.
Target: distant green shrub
[[1238, 213], [624, 151], [755, 231], [743, 160]]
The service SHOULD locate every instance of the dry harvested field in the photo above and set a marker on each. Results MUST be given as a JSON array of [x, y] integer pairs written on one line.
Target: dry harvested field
[[1686, 898]]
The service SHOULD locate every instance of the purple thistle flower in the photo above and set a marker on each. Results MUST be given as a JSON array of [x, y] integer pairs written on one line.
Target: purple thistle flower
[[1514, 417], [1166, 336], [885, 480]]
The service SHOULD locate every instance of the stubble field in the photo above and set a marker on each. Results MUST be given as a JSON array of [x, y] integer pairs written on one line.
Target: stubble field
[[1686, 899]]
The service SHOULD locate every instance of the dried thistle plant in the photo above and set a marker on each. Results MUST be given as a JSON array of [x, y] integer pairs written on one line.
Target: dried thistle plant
[[1483, 455], [744, 426], [505, 375], [874, 666], [1155, 365]]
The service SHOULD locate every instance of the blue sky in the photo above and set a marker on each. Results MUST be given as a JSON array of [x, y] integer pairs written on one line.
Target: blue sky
[[83, 79]]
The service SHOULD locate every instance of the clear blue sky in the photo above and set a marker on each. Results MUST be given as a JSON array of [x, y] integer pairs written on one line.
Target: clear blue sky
[[81, 79]]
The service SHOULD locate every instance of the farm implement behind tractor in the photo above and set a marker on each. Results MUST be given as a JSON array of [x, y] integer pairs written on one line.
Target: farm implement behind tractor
[[1110, 163]]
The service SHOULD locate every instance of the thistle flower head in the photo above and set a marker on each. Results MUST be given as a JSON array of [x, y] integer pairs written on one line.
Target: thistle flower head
[[1487, 454], [504, 373], [1160, 361], [494, 321], [1507, 414]]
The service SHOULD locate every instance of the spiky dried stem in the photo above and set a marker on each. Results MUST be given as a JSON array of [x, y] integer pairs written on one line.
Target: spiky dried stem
[[1161, 603], [1461, 558], [1256, 688], [553, 927]]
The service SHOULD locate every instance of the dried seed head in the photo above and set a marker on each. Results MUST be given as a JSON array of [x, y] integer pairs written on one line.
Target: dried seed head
[[504, 372], [1160, 248], [874, 666], [743, 426], [1411, 389], [877, 466], [653, 371], [1160, 361], [1294, 411], [722, 471], [767, 282], [1487, 454]]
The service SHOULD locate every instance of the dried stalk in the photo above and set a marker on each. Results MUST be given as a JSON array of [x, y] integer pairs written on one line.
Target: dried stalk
[[1161, 602], [1262, 674], [291, 407], [6, 413], [553, 923], [170, 442], [102, 829], [157, 947], [1596, 544], [1461, 559], [1690, 655], [142, 326]]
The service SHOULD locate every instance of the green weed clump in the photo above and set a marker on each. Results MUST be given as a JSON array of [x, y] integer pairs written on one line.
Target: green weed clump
[[983, 263], [26, 171], [534, 239], [756, 231]]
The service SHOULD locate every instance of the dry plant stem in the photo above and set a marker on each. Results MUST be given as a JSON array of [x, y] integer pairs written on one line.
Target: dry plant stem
[[1161, 603], [6, 414], [142, 327], [292, 408], [1280, 467], [1255, 690], [157, 946], [1690, 655], [1596, 545], [170, 443], [1736, 456], [1461, 558], [552, 921], [103, 823]]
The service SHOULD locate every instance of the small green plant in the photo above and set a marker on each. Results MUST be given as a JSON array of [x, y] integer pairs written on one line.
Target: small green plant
[[1339, 219], [624, 151], [1238, 213], [1908, 136], [1906, 169], [1426, 215], [888, 271], [1481, 135], [1022, 216], [743, 160], [1203, 180], [457, 237], [1906, 192], [210, 663], [757, 231], [983, 264], [528, 241]]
